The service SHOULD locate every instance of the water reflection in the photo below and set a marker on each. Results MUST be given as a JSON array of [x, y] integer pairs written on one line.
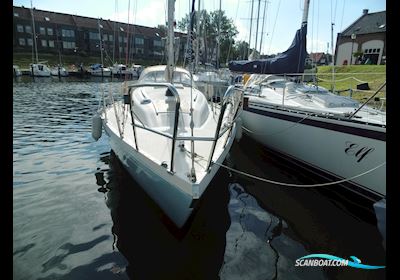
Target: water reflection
[[152, 246], [256, 244], [320, 220], [242, 229]]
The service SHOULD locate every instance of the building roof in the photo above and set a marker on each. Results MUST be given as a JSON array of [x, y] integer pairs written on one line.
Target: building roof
[[367, 23], [316, 56]]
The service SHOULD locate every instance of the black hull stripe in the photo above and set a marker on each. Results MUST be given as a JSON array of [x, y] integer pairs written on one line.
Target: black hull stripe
[[331, 126]]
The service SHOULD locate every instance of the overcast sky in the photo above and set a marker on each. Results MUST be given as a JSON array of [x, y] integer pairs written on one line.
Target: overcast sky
[[283, 17]]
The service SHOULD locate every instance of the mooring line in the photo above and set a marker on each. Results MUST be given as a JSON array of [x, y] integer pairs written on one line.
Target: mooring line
[[297, 185]]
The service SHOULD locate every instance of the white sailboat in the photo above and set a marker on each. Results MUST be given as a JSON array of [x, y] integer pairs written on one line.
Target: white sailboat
[[38, 69], [122, 70], [16, 71], [59, 71], [98, 70], [168, 136], [331, 135]]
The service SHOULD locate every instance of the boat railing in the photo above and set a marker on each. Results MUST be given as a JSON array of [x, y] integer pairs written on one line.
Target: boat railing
[[231, 106], [362, 105], [358, 86], [233, 99]]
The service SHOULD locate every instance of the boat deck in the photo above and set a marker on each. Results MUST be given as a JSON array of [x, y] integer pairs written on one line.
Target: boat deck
[[158, 148], [319, 102]]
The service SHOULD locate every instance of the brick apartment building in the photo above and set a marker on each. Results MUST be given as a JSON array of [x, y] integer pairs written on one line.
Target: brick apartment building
[[72, 34]]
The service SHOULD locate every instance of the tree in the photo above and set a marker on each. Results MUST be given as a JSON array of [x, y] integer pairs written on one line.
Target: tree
[[163, 30], [207, 34], [240, 50]]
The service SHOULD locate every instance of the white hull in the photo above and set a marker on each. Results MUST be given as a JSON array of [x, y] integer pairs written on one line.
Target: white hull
[[62, 72], [339, 148], [40, 70], [16, 71], [125, 73], [173, 194], [99, 73], [38, 73]]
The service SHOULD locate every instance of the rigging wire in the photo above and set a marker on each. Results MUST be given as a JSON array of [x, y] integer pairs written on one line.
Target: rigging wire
[[341, 21], [116, 15], [231, 43], [273, 29]]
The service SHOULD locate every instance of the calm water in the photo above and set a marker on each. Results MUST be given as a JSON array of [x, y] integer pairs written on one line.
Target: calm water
[[77, 214]]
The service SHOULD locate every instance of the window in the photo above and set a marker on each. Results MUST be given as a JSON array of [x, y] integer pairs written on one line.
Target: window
[[46, 19], [94, 36], [22, 41], [67, 33], [51, 43], [139, 41], [44, 43], [68, 45], [120, 49], [111, 37], [28, 29], [105, 37], [20, 28], [139, 51], [157, 43], [16, 14], [30, 42], [159, 76], [50, 31], [42, 31]]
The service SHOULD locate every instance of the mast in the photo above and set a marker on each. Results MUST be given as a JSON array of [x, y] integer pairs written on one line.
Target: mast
[[127, 37], [101, 45], [59, 56], [258, 19], [170, 40], [305, 12], [304, 24], [262, 26], [197, 36], [116, 12], [333, 60], [34, 34], [219, 36], [251, 22]]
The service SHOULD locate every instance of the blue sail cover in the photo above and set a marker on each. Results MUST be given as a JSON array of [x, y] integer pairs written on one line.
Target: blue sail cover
[[290, 61]]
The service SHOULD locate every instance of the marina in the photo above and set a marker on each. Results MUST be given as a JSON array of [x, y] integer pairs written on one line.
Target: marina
[[79, 214]]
